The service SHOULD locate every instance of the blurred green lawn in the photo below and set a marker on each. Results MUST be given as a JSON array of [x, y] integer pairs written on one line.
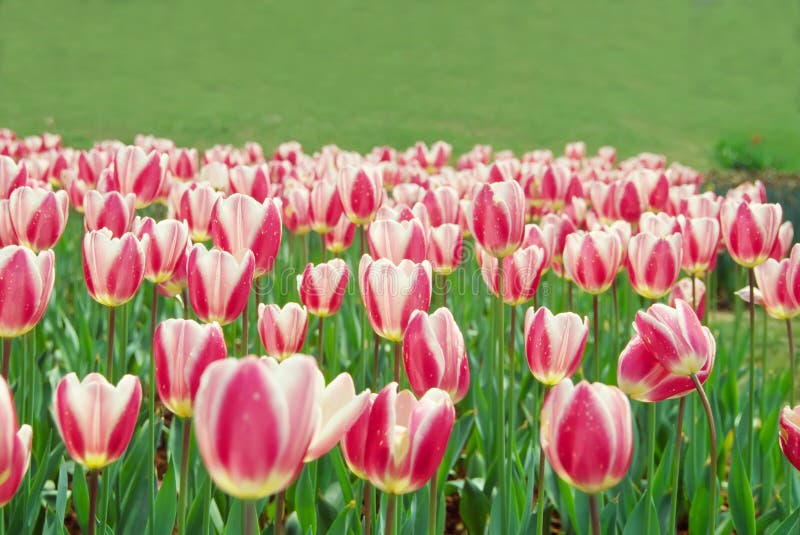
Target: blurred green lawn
[[672, 77]]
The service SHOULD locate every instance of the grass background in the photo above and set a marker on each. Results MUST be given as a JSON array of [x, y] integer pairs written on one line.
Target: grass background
[[673, 77]]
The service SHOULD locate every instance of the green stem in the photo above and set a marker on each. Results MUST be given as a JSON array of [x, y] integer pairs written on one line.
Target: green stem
[[596, 329], [207, 508], [790, 338], [676, 467], [570, 299], [6, 357], [595, 514], [151, 415], [512, 379], [540, 493], [712, 433], [375, 355], [501, 404], [367, 500], [397, 360], [245, 315], [434, 504], [112, 320], [184, 485], [320, 351], [616, 316], [651, 457], [752, 374], [279, 501], [185, 299], [92, 520], [391, 505], [249, 522]]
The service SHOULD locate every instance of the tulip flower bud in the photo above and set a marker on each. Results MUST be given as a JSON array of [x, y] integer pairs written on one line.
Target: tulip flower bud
[[522, 271], [749, 230], [341, 236], [137, 172], [109, 210], [12, 176], [445, 248], [496, 218], [39, 216], [676, 338], [282, 330], [113, 268], [391, 292], [397, 241], [168, 240], [219, 284], [776, 295], [700, 244], [661, 224], [784, 241], [325, 206], [434, 354], [683, 290], [322, 287], [361, 192], [654, 263], [586, 433], [182, 350], [183, 163], [789, 436], [295, 206], [254, 421], [241, 224], [442, 206], [15, 446], [592, 259], [250, 180], [554, 344], [196, 207], [96, 419], [26, 282]]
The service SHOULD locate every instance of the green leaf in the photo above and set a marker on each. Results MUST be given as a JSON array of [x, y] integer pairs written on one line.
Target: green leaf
[[698, 512], [341, 525], [166, 503], [61, 496], [306, 500], [636, 523], [789, 526], [459, 436], [740, 497], [80, 495], [474, 507]]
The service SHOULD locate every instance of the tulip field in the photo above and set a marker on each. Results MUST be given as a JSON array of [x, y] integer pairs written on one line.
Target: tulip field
[[252, 339]]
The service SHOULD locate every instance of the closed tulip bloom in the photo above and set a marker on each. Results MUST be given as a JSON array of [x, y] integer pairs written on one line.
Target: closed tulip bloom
[[183, 163], [254, 420], [179, 279], [592, 259], [749, 230], [432, 158], [182, 350], [777, 297], [522, 271], [339, 407], [282, 330], [661, 224], [643, 378], [683, 290], [322, 287], [219, 283], [399, 442], [361, 192], [39, 216], [110, 210], [250, 180], [544, 237], [140, 173], [15, 446], [196, 207], [396, 241], [391, 292], [445, 248], [676, 338], [325, 206], [654, 264], [96, 419], [701, 205], [789, 434], [341, 236], [700, 244], [587, 435], [496, 217], [295, 206], [241, 224], [784, 241], [12, 176], [113, 268], [7, 234], [26, 282], [554, 344], [434, 354], [168, 240], [575, 150], [442, 205]]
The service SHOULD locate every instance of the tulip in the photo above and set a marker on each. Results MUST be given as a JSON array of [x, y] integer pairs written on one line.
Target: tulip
[[554, 344], [575, 150], [178, 281], [496, 218], [7, 234], [339, 408], [250, 180], [140, 173], [774, 292], [544, 237], [784, 241], [295, 205], [522, 271], [654, 263], [341, 236], [168, 240], [586, 433], [322, 287], [399, 441], [749, 230], [434, 354], [661, 224], [325, 206], [700, 244], [196, 208], [391, 292], [12, 176], [113, 268], [445, 248], [591, 259], [397, 241], [442, 205], [254, 421], [789, 435], [26, 282], [361, 192], [96, 419], [683, 290], [219, 283], [240, 224], [433, 158], [282, 330], [183, 163], [15, 446], [109, 210], [38, 216], [182, 350]]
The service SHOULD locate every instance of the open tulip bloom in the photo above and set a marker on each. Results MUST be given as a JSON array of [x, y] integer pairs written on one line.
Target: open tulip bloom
[[15, 446]]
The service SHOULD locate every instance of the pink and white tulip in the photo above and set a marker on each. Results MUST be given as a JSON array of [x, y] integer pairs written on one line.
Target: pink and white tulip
[[683, 290], [700, 244], [219, 283], [240, 224], [496, 218], [138, 172], [196, 207], [113, 268], [592, 259], [26, 282], [111, 210], [325, 206], [167, 243], [749, 230], [654, 263], [361, 192], [39, 216], [15, 446], [322, 287], [397, 241], [445, 248], [522, 271], [789, 434], [554, 344], [282, 330]]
